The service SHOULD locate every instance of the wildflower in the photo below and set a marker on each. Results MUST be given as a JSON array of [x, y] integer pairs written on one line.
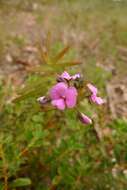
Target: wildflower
[[97, 100], [63, 96], [92, 88], [93, 97], [84, 119], [65, 76], [76, 76]]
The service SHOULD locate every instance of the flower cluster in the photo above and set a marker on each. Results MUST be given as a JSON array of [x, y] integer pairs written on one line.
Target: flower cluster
[[94, 98], [64, 95]]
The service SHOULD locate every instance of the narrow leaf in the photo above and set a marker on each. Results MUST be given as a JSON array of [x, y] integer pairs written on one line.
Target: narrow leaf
[[21, 182], [61, 54]]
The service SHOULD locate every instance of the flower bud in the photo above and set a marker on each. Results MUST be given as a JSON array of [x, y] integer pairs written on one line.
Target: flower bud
[[84, 119], [43, 100]]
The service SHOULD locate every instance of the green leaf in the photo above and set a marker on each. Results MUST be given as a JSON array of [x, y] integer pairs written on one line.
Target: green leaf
[[21, 182], [1, 186]]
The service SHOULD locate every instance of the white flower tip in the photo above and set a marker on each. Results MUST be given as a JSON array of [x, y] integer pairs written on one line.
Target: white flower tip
[[43, 100], [40, 98], [76, 76]]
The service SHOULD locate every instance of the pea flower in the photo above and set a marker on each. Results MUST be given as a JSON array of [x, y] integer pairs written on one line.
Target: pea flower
[[76, 76], [62, 96], [93, 97], [97, 100], [84, 119], [65, 76], [92, 88]]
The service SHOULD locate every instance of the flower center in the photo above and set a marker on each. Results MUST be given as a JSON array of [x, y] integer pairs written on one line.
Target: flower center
[[63, 97]]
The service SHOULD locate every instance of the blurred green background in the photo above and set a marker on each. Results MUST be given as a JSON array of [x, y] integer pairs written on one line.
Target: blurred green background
[[42, 150]]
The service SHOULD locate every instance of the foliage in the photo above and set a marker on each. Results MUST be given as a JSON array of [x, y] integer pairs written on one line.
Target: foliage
[[49, 149]]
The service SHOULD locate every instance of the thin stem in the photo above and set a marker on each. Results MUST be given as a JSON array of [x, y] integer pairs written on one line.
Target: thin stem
[[5, 168], [26, 149]]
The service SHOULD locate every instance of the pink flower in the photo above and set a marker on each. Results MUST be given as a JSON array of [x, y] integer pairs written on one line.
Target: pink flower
[[65, 76], [94, 98], [92, 88], [63, 96], [76, 76], [84, 119]]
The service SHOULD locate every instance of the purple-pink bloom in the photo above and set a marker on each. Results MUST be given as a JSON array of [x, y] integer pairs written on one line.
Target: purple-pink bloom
[[59, 104], [85, 119], [92, 88], [76, 76], [65, 76], [63, 96], [96, 99], [71, 97], [58, 90]]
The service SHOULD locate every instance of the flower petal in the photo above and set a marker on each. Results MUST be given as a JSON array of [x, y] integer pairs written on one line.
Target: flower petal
[[59, 104], [76, 76], [71, 97], [97, 100], [92, 88], [65, 75], [58, 91], [84, 119], [43, 100]]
